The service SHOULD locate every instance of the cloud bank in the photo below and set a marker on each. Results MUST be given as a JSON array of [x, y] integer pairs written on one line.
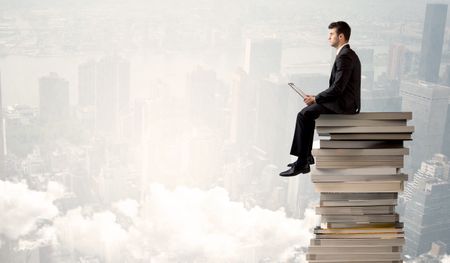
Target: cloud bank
[[22, 209], [185, 224]]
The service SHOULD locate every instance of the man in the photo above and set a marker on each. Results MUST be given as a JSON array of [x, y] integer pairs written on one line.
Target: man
[[342, 97]]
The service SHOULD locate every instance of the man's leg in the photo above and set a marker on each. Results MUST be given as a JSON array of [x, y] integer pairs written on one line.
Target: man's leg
[[304, 135], [310, 114], [304, 130]]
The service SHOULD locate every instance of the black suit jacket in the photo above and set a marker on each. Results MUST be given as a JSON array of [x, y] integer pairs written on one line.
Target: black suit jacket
[[344, 94]]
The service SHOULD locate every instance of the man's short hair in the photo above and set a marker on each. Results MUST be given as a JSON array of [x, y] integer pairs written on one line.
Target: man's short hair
[[341, 28]]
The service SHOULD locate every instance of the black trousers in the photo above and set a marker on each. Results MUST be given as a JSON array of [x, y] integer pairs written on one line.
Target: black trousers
[[304, 130]]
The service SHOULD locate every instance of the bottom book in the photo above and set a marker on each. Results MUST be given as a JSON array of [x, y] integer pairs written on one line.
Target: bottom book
[[355, 250], [354, 257], [355, 261]]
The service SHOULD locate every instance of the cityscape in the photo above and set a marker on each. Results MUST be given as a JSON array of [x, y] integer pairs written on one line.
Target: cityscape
[[150, 131]]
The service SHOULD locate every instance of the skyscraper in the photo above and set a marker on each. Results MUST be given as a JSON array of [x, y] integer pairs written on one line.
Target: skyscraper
[[446, 142], [86, 83], [428, 102], [203, 86], [53, 98], [399, 63], [243, 109], [368, 74], [2, 137], [271, 128], [427, 213], [112, 93], [262, 57], [432, 40]]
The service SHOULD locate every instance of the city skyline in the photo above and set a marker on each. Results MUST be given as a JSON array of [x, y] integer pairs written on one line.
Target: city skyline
[[158, 129]]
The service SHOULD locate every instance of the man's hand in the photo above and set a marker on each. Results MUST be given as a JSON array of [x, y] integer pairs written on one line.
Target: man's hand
[[309, 100]]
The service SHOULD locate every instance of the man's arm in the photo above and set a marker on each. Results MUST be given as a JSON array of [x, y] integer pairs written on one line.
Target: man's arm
[[344, 66]]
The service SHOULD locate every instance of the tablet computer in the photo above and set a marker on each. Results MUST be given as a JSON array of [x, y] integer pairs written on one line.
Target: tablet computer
[[298, 90]]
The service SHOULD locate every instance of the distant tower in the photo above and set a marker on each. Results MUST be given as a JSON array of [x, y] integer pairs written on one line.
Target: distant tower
[[112, 93], [368, 73], [262, 57], [86, 83], [428, 102], [399, 63], [2, 137], [53, 98], [203, 85], [427, 213], [432, 40]]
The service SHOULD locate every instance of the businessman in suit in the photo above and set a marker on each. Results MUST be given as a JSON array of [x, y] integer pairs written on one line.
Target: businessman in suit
[[342, 97]]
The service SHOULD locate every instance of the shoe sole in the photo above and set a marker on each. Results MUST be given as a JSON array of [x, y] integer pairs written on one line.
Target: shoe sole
[[301, 172]]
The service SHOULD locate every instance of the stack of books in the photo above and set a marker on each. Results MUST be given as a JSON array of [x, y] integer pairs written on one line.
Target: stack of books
[[358, 174]]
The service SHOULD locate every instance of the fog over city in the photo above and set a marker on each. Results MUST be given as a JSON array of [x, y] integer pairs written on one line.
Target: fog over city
[[155, 131]]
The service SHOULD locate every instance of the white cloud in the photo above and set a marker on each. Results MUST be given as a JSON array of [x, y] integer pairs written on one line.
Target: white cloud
[[190, 224], [42, 237], [55, 190], [445, 259], [97, 234], [127, 207], [21, 209], [184, 224]]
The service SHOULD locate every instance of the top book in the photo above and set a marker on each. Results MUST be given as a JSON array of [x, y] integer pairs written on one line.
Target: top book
[[337, 122], [368, 116]]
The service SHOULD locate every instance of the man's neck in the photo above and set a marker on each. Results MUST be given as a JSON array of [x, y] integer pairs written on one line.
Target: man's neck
[[341, 45], [338, 49]]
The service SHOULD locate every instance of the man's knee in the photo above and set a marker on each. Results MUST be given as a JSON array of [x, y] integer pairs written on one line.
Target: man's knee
[[309, 113]]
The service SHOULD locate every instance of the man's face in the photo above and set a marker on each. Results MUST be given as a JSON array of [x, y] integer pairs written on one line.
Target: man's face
[[333, 37]]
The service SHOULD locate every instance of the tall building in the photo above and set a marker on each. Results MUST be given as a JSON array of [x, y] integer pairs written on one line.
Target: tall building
[[203, 85], [446, 76], [432, 40], [384, 96], [300, 192], [2, 137], [368, 73], [399, 63], [112, 93], [53, 98], [427, 213], [86, 83], [262, 57], [446, 143], [270, 132], [437, 167], [243, 109], [429, 104]]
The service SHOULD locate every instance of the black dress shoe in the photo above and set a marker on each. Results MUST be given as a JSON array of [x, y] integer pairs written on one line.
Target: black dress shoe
[[310, 160], [296, 169]]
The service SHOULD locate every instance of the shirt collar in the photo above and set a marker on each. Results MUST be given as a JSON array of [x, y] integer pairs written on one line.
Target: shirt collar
[[339, 50]]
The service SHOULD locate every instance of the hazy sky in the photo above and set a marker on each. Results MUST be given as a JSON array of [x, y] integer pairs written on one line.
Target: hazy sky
[[165, 41]]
